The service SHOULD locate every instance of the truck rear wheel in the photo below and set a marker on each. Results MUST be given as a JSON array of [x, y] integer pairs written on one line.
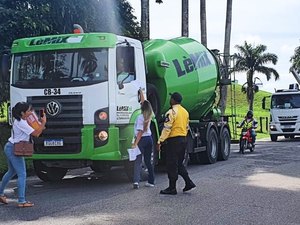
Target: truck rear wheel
[[211, 154], [224, 146], [46, 173]]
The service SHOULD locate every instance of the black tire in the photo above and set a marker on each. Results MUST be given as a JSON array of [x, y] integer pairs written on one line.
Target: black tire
[[252, 148], [196, 158], [99, 167], [153, 98], [189, 149], [48, 173], [224, 147], [273, 137], [211, 154], [129, 170], [186, 159], [243, 146]]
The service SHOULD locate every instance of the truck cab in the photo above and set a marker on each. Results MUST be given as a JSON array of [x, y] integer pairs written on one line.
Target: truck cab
[[88, 86], [285, 113]]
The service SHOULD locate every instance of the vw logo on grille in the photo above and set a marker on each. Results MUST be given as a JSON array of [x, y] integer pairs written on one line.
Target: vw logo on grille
[[53, 108]]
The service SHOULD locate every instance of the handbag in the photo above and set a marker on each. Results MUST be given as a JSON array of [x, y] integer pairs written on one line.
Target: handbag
[[23, 148]]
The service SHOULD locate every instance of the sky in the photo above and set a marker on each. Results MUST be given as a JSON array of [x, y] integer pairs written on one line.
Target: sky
[[274, 23]]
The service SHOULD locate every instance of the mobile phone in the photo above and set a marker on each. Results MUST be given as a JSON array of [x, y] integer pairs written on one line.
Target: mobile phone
[[41, 113]]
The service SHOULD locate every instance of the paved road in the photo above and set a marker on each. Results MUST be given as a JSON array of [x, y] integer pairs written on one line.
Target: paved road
[[256, 188]]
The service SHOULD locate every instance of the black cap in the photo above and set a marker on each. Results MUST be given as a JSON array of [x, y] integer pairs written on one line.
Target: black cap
[[176, 96]]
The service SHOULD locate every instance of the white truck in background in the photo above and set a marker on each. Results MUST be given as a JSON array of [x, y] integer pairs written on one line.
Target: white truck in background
[[285, 111]]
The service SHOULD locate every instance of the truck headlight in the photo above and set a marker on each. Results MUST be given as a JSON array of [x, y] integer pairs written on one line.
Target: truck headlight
[[102, 135], [273, 127]]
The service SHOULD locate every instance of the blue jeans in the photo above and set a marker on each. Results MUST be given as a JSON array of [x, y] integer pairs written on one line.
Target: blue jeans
[[16, 166], [145, 145]]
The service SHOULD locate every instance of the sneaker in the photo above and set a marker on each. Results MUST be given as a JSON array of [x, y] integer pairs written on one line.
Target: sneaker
[[136, 185], [168, 191], [149, 185], [189, 186]]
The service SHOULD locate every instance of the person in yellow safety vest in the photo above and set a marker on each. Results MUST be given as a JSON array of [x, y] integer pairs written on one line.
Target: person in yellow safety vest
[[174, 137], [249, 123]]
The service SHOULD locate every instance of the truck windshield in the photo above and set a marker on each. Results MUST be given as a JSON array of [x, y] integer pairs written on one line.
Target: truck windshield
[[288, 101], [60, 68]]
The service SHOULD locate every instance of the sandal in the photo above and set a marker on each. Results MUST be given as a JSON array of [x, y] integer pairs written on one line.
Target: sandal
[[25, 204], [3, 199]]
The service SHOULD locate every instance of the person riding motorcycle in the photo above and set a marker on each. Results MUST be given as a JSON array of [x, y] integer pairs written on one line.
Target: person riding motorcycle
[[249, 123]]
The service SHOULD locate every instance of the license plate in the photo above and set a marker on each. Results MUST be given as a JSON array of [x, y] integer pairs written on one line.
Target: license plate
[[53, 142]]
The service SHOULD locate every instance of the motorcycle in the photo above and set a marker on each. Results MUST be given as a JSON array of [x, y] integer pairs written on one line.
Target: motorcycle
[[246, 141]]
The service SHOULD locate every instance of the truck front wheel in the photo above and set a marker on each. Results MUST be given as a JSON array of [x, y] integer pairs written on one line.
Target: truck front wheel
[[46, 173], [273, 137], [129, 170]]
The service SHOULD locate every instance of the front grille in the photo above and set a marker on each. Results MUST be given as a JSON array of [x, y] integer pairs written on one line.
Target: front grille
[[288, 130], [287, 124], [66, 125], [287, 118]]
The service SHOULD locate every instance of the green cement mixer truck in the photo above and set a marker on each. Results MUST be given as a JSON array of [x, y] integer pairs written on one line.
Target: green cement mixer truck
[[88, 85]]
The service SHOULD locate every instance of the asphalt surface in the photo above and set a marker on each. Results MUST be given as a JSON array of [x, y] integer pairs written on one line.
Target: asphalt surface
[[262, 187]]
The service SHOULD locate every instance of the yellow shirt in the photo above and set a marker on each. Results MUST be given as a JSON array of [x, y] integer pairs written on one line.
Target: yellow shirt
[[248, 123], [176, 123]]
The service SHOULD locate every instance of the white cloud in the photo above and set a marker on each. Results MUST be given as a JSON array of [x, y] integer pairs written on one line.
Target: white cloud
[[250, 38], [274, 23]]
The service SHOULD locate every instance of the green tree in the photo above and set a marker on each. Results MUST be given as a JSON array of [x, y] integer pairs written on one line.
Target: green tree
[[252, 59], [145, 19], [295, 59], [27, 18]]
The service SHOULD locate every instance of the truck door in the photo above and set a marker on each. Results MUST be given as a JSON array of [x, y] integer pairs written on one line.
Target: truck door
[[128, 84]]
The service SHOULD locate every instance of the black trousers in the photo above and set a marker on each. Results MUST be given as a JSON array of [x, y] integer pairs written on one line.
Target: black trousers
[[175, 152]]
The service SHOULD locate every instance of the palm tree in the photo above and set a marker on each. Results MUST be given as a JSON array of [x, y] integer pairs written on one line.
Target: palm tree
[[225, 75], [145, 30], [185, 18], [252, 59], [203, 22], [145, 19]]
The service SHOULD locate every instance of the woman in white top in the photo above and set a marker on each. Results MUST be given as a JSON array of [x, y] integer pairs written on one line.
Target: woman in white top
[[16, 164], [143, 140]]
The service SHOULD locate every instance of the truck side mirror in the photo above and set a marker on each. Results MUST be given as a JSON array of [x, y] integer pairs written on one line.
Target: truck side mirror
[[4, 67], [264, 103]]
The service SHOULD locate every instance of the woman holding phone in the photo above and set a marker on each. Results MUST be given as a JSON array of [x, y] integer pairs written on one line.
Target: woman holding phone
[[21, 131]]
